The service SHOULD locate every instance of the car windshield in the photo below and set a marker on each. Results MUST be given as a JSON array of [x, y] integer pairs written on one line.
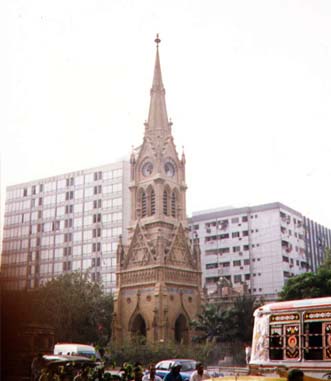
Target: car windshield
[[187, 366]]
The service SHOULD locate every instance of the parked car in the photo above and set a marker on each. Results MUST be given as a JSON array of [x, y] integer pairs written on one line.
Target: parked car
[[187, 367], [75, 350]]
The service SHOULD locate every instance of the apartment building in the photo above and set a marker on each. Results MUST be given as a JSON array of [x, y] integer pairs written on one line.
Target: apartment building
[[260, 247], [317, 238], [65, 223]]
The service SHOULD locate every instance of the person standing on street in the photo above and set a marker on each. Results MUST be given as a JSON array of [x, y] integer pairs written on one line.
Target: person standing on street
[[174, 374], [37, 365], [152, 376], [248, 350], [199, 374]]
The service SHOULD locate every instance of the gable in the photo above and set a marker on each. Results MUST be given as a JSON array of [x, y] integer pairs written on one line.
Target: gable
[[180, 252], [139, 253]]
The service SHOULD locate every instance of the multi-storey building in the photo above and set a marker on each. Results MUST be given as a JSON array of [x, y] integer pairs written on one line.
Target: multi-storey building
[[317, 238], [65, 223], [260, 246]]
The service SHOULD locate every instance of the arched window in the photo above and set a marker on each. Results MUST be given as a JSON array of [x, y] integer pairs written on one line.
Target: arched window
[[152, 202], [143, 204], [173, 204], [165, 203]]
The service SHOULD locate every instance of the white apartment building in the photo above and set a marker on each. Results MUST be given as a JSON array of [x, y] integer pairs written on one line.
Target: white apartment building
[[65, 223], [261, 246]]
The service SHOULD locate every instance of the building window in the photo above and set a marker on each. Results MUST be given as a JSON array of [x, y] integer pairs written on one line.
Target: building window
[[97, 204], [69, 195], [69, 209], [173, 204], [96, 218], [152, 202], [246, 262], [236, 263], [245, 233], [143, 204], [67, 237], [236, 249], [67, 251], [56, 225], [68, 223], [66, 266], [96, 247], [244, 219], [237, 279], [234, 220], [96, 262], [96, 232], [165, 203], [33, 191], [25, 192], [97, 189], [247, 276], [40, 201], [235, 235], [69, 181], [97, 176], [211, 266]]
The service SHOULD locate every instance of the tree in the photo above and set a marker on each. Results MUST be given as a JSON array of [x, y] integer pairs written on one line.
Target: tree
[[310, 285], [242, 313], [214, 323], [77, 308], [227, 324]]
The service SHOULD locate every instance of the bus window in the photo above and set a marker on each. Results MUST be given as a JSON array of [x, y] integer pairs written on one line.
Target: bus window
[[275, 343], [313, 341]]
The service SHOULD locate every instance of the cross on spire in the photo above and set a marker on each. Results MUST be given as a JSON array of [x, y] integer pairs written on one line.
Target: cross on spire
[[157, 40]]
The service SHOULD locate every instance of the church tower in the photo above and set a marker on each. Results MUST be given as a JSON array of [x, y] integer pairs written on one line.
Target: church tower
[[159, 271]]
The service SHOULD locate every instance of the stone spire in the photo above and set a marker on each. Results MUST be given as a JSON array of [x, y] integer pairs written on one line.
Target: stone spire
[[157, 125]]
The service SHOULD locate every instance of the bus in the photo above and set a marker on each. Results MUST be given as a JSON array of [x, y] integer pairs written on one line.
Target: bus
[[293, 334]]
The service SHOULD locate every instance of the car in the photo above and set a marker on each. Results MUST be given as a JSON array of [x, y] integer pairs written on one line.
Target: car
[[187, 367], [75, 350]]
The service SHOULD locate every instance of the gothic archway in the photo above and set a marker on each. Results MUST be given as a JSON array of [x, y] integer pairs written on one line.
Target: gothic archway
[[181, 330], [138, 326]]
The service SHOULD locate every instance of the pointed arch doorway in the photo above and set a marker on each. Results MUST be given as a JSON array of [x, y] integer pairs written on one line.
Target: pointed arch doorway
[[138, 327], [181, 330]]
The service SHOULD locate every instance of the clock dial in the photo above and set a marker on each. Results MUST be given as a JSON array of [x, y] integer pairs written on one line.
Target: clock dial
[[147, 168], [169, 169]]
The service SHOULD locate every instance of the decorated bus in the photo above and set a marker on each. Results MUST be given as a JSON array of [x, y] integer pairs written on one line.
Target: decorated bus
[[293, 334]]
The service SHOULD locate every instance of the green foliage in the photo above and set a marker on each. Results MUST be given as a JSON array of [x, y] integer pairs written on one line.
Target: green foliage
[[226, 324], [77, 308], [133, 352], [242, 317], [310, 285], [212, 324]]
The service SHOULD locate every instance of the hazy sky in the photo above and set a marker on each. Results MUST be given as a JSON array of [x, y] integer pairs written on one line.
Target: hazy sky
[[248, 89]]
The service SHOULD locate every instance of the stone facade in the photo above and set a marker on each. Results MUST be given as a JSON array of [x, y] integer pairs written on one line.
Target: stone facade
[[159, 270]]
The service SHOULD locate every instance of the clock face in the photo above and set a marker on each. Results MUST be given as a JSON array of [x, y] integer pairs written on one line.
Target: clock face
[[169, 169], [147, 168]]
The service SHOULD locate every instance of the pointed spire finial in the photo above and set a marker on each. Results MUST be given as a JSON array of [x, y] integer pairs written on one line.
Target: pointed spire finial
[[157, 40]]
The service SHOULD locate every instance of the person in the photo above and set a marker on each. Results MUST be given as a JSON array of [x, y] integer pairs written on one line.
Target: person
[[295, 375], [248, 353], [174, 374], [36, 366], [151, 376], [82, 375], [137, 372], [199, 374]]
